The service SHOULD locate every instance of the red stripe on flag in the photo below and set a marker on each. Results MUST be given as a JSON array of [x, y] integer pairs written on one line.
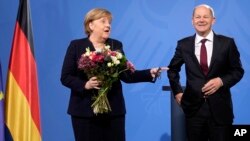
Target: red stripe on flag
[[23, 67]]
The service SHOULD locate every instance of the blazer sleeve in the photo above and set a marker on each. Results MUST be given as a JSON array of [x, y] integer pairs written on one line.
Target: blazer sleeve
[[137, 76], [69, 74], [235, 70], [174, 69]]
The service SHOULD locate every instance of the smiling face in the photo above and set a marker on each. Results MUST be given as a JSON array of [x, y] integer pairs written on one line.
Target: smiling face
[[202, 20], [100, 28]]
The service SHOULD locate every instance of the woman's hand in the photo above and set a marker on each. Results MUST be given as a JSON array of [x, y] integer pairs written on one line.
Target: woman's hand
[[92, 83], [155, 72]]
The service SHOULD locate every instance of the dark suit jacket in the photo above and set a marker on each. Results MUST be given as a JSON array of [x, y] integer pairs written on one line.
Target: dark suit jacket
[[80, 98], [225, 63]]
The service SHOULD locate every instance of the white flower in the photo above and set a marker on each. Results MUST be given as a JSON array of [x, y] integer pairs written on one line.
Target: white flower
[[119, 55], [117, 62], [109, 64], [107, 47], [113, 58], [87, 53]]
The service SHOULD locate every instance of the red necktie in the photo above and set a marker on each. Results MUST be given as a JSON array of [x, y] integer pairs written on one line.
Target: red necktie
[[203, 57]]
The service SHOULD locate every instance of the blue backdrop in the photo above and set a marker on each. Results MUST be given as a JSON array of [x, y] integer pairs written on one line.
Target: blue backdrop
[[149, 31]]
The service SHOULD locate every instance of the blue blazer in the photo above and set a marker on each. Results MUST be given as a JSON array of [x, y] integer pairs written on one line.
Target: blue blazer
[[225, 63], [80, 98]]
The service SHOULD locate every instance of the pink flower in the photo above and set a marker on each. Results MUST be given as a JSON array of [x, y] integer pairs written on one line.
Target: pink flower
[[97, 57]]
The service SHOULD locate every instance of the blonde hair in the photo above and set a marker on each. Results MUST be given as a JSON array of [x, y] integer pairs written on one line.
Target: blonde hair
[[95, 14]]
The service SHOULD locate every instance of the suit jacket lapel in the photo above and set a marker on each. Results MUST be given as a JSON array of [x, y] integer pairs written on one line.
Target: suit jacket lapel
[[215, 53], [194, 58]]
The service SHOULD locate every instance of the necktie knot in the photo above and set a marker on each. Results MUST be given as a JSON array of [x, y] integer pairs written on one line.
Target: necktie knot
[[203, 41]]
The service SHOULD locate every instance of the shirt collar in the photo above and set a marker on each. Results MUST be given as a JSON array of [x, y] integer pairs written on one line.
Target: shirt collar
[[209, 37]]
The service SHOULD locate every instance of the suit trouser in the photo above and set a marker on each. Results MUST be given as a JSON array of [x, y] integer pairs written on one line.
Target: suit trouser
[[202, 127], [99, 128]]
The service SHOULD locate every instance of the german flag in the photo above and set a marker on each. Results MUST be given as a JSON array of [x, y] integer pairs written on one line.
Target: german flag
[[22, 112]]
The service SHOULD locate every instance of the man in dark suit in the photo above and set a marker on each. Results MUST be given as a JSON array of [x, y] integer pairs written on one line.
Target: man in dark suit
[[206, 100]]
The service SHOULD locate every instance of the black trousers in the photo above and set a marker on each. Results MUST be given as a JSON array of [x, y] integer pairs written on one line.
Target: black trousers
[[99, 128], [202, 127]]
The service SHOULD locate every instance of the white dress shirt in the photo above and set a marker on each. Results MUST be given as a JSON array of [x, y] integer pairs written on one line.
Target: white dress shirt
[[209, 46]]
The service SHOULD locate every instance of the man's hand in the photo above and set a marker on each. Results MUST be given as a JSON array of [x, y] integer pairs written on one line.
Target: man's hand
[[178, 98], [212, 86]]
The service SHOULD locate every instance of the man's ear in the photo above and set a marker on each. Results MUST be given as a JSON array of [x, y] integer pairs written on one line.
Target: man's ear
[[214, 20]]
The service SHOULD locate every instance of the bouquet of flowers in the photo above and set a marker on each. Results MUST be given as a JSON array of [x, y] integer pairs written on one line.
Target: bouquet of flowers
[[106, 65]]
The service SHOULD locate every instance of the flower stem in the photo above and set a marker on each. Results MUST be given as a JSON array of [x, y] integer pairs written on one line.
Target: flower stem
[[101, 103]]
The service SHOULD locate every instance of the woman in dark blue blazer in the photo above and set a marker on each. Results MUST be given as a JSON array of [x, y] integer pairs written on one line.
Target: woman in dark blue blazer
[[88, 126]]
